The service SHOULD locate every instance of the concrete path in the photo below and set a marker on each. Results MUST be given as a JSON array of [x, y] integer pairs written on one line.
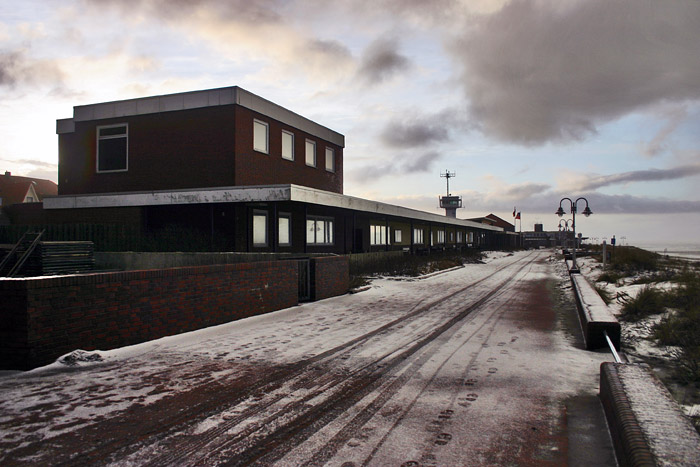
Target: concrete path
[[483, 365]]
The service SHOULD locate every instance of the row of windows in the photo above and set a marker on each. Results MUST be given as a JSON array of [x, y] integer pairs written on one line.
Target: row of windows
[[113, 147], [378, 236], [261, 143], [319, 230]]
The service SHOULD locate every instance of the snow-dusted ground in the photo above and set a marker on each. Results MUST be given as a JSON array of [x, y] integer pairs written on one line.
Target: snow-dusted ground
[[471, 366], [637, 342]]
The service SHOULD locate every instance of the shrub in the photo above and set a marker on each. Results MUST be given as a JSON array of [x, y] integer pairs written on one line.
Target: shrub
[[649, 301], [629, 259], [604, 294], [610, 277], [682, 330]]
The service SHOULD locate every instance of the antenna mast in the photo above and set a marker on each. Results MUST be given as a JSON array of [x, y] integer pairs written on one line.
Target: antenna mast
[[450, 203], [448, 175]]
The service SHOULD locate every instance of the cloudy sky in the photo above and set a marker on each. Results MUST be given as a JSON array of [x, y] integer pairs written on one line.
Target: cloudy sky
[[526, 101]]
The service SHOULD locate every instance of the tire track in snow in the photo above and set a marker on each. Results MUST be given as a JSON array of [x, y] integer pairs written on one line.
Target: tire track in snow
[[306, 371], [350, 430], [279, 442]]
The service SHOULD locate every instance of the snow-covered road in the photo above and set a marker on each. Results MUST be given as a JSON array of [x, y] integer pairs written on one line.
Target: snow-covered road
[[477, 366]]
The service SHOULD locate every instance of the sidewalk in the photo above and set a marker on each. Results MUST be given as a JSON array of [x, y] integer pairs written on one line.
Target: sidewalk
[[522, 388]]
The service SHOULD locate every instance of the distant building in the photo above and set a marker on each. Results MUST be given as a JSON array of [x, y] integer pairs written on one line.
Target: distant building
[[19, 190], [541, 238], [494, 220]]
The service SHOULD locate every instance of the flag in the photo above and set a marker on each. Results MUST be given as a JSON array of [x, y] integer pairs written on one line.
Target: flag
[[513, 211], [517, 217]]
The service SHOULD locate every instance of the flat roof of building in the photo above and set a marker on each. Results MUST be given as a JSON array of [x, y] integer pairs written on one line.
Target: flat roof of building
[[262, 193], [194, 100]]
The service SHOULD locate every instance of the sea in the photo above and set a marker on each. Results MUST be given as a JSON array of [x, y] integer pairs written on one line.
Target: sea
[[689, 251]]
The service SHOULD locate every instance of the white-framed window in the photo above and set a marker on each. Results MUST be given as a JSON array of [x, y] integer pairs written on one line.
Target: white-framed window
[[319, 230], [310, 153], [259, 228], [418, 236], [261, 132], [330, 160], [440, 236], [397, 235], [284, 228], [287, 145], [377, 235], [113, 148]]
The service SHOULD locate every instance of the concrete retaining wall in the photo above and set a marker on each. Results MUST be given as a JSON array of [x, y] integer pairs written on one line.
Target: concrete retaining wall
[[596, 319]]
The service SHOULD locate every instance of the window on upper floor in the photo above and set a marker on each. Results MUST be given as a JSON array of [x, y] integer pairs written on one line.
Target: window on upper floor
[[261, 136], [330, 160], [113, 148], [287, 145], [310, 153]]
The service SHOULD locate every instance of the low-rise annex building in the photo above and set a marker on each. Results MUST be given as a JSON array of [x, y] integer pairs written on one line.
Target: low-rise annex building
[[233, 166]]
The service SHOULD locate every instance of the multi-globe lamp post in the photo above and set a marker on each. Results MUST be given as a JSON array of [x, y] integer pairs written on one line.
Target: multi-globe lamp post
[[586, 212], [563, 238]]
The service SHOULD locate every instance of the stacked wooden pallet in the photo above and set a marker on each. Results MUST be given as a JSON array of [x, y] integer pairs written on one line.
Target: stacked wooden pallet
[[52, 258]]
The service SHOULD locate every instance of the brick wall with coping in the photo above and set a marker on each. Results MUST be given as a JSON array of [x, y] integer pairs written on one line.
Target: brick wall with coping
[[330, 276], [44, 318]]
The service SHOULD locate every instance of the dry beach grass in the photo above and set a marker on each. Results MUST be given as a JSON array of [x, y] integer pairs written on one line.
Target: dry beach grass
[[657, 300]]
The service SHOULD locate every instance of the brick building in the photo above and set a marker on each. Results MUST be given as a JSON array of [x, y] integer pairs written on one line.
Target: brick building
[[233, 166]]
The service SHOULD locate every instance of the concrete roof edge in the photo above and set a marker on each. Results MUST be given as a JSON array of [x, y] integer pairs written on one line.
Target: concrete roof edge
[[193, 100], [314, 196]]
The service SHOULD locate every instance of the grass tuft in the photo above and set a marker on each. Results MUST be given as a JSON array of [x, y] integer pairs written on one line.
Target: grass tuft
[[649, 301]]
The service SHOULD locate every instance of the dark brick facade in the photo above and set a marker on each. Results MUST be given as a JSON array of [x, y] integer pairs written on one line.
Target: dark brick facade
[[42, 319], [193, 148]]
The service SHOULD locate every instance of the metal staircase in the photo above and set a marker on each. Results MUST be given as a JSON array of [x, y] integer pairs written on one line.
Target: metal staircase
[[15, 259]]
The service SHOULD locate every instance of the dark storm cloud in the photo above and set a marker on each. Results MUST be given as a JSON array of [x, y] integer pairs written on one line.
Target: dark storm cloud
[[417, 130], [405, 163], [627, 204], [525, 190], [259, 11], [381, 60], [540, 71], [18, 69], [650, 175], [331, 49]]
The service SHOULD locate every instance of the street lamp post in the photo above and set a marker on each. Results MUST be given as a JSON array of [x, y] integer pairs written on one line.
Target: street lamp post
[[563, 229], [586, 212]]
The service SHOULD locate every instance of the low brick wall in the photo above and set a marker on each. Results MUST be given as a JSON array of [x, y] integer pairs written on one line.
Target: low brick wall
[[330, 276], [646, 424], [44, 318]]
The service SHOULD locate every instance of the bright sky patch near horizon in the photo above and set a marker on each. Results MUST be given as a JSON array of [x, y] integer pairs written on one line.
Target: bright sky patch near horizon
[[526, 101]]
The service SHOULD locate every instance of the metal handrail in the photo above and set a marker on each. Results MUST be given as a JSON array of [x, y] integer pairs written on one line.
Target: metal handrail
[[12, 252], [612, 348], [18, 265]]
